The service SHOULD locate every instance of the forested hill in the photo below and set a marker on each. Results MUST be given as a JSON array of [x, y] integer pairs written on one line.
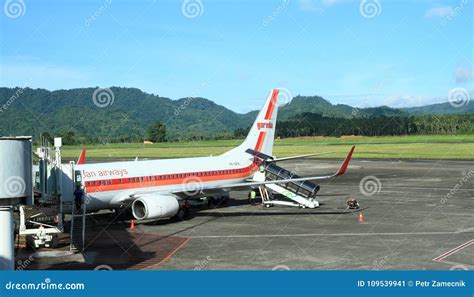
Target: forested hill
[[129, 112], [319, 105], [441, 108]]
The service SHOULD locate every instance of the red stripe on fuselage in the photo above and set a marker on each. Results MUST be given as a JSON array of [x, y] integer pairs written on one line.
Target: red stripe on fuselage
[[272, 104], [172, 179]]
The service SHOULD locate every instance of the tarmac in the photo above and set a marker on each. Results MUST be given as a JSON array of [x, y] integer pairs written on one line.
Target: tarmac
[[408, 222], [415, 215]]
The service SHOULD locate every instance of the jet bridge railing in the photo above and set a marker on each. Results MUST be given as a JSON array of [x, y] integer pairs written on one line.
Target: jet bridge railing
[[305, 189]]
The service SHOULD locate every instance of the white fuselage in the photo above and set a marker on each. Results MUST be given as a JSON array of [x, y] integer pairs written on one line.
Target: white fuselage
[[107, 185]]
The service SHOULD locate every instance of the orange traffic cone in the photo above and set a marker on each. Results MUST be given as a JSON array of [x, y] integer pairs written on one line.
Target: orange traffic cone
[[132, 225], [361, 218]]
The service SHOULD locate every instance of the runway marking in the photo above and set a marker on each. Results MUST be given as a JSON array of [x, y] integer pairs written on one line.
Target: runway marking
[[171, 254], [325, 234], [413, 188], [455, 250]]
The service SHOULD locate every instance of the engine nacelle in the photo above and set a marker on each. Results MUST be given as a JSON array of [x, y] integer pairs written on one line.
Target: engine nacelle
[[152, 207]]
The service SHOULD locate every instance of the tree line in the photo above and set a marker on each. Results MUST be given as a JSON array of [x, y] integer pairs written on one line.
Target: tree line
[[311, 124], [307, 124]]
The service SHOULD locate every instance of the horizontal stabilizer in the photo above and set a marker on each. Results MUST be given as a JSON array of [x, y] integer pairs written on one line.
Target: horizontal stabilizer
[[259, 155], [268, 158]]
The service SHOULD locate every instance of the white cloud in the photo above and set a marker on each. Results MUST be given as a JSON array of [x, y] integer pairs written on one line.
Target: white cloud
[[464, 74], [41, 76], [319, 5], [308, 5], [332, 2], [439, 11], [398, 101]]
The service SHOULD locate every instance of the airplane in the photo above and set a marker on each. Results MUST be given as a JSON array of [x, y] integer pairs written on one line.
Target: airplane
[[156, 189]]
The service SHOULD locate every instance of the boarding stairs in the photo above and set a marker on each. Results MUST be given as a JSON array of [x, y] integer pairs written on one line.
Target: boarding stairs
[[78, 228], [296, 200]]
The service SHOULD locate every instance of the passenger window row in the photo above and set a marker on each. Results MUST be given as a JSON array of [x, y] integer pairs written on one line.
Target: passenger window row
[[160, 177]]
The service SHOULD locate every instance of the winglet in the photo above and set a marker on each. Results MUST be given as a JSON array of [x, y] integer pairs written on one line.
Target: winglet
[[344, 165], [82, 158]]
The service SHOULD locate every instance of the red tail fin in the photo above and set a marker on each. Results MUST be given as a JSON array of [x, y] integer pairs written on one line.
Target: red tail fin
[[82, 158], [344, 165]]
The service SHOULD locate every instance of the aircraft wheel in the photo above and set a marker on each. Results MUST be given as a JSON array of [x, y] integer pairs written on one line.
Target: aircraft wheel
[[55, 241], [30, 244], [181, 215], [211, 202]]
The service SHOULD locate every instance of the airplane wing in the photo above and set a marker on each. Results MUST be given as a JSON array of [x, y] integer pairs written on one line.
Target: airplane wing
[[342, 169], [298, 157]]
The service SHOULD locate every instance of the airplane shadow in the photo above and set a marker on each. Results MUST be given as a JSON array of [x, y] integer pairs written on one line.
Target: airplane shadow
[[265, 212]]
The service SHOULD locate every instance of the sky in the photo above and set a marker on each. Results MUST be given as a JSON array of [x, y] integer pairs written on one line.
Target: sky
[[362, 53]]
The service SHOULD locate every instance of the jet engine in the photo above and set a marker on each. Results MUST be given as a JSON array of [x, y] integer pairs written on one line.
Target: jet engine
[[151, 207]]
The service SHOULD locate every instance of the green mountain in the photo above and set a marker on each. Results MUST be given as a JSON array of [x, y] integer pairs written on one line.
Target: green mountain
[[129, 112], [316, 104], [441, 108]]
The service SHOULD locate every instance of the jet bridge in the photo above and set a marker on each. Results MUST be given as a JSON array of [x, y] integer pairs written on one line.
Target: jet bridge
[[42, 220]]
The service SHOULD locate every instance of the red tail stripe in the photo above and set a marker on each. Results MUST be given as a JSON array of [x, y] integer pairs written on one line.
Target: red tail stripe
[[261, 139], [271, 105]]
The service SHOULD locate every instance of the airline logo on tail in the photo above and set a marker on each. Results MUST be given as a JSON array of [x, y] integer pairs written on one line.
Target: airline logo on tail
[[268, 125]]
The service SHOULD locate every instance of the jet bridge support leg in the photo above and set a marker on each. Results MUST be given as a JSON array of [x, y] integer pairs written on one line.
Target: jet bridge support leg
[[7, 258], [265, 196]]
